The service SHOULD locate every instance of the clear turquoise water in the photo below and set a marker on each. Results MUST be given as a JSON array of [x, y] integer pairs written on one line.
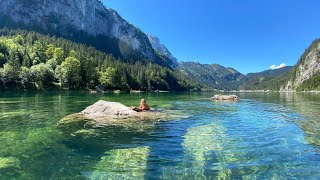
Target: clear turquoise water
[[263, 136]]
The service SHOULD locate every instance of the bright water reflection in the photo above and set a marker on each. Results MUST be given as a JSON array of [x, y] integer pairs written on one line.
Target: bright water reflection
[[263, 136]]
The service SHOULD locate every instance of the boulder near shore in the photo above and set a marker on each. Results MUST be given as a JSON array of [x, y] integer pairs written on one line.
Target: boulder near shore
[[225, 98]]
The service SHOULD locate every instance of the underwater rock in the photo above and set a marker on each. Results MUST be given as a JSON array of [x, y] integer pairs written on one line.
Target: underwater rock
[[9, 165], [225, 98], [122, 164]]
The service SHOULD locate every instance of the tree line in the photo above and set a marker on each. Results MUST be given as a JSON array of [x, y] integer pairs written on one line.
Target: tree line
[[32, 61]]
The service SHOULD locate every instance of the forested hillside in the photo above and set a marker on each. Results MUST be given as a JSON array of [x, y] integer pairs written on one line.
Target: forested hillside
[[266, 80], [264, 83], [212, 76], [271, 73], [31, 61]]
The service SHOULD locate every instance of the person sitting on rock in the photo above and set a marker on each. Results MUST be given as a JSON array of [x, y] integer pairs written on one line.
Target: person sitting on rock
[[143, 106]]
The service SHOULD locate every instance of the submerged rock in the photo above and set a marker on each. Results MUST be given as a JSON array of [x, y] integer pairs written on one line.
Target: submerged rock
[[225, 98], [9, 165], [122, 164]]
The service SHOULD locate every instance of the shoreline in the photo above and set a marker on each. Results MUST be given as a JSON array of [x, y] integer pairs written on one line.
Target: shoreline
[[157, 91], [269, 91]]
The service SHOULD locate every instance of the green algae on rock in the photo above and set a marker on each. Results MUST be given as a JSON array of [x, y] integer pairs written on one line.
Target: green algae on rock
[[9, 165], [128, 163]]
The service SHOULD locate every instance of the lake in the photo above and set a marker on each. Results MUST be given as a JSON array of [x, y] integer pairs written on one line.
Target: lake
[[263, 136]]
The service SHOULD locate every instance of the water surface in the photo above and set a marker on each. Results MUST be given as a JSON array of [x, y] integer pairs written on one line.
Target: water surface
[[264, 135]]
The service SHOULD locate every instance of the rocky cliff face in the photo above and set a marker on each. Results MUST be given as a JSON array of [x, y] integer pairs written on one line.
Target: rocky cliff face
[[88, 16], [307, 67], [161, 49]]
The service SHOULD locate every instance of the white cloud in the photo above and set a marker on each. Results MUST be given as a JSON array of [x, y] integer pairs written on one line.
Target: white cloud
[[273, 67]]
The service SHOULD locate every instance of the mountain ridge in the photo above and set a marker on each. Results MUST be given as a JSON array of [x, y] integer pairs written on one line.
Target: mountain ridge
[[212, 75], [271, 72], [161, 49]]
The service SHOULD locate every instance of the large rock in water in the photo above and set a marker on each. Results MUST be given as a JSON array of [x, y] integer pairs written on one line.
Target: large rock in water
[[104, 114], [225, 98], [103, 109]]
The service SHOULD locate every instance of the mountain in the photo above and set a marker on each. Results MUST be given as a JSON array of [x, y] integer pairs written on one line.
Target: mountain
[[83, 21], [162, 49], [305, 75], [271, 73], [265, 80], [212, 75]]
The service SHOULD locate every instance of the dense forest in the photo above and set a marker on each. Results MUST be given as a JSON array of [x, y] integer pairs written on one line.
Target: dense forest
[[32, 61], [264, 83]]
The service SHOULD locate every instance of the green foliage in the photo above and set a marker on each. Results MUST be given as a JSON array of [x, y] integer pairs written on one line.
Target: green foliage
[[19, 39], [69, 73], [42, 73], [108, 77], [9, 73], [29, 59], [50, 51], [25, 75], [58, 55], [2, 60], [72, 53]]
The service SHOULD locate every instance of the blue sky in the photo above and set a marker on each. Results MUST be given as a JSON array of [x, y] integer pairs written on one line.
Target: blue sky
[[248, 35]]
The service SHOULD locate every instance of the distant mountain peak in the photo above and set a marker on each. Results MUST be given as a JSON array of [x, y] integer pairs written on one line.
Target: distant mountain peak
[[161, 48]]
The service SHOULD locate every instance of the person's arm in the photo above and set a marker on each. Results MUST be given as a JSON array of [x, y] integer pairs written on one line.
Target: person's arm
[[145, 107], [138, 109]]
